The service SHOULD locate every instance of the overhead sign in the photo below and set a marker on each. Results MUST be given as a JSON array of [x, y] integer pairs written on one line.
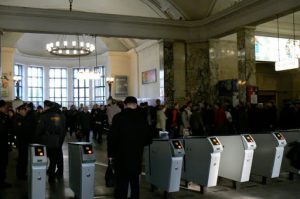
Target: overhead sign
[[287, 64]]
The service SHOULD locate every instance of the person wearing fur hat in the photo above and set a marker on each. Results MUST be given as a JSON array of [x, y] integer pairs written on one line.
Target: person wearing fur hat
[[3, 144]]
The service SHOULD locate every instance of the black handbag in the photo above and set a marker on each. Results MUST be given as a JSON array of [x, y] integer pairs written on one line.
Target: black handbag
[[110, 175]]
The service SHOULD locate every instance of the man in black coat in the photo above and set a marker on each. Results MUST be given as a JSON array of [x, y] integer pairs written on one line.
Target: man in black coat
[[3, 143], [23, 133], [130, 133], [51, 132]]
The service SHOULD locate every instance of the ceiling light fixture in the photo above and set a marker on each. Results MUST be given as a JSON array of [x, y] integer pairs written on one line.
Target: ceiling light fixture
[[87, 74], [68, 46]]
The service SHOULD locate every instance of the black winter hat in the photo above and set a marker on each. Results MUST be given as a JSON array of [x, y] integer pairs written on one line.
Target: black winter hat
[[130, 100], [48, 103], [2, 103]]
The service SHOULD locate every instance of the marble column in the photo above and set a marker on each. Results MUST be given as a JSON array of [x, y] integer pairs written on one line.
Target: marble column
[[7, 65], [1, 33], [201, 75], [168, 72], [246, 60]]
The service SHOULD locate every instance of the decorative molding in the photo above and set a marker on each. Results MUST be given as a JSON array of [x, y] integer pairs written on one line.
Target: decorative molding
[[248, 12]]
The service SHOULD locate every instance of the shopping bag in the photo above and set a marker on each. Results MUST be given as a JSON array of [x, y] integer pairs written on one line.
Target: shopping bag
[[110, 175]]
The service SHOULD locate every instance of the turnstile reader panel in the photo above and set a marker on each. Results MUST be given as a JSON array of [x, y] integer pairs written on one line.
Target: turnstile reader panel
[[37, 166]]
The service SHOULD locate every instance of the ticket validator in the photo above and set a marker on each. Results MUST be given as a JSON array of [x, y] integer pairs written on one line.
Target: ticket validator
[[82, 169], [163, 164], [202, 160], [236, 158], [268, 155], [37, 166]]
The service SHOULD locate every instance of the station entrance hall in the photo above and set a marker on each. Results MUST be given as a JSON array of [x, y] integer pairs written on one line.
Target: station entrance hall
[[149, 99]]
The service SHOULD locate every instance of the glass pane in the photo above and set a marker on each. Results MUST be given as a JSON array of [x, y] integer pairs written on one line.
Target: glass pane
[[29, 71], [51, 73], [40, 82], [64, 83], [81, 92], [75, 83], [34, 72], [51, 93], [64, 92], [51, 83], [58, 83], [40, 72], [58, 73], [64, 73], [34, 92], [87, 93], [81, 83], [75, 92], [58, 93]]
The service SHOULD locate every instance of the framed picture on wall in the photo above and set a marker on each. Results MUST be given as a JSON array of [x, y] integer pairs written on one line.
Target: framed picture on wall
[[121, 85], [149, 76]]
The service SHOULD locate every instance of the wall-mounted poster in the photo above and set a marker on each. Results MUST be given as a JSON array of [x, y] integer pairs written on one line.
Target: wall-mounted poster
[[4, 85], [149, 76], [121, 85]]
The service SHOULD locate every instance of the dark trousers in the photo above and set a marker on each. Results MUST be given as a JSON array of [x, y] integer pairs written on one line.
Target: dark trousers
[[60, 162], [3, 165], [122, 184], [53, 158], [86, 133], [22, 160], [98, 131]]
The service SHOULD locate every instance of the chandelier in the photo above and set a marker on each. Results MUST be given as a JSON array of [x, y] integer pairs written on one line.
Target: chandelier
[[70, 46], [89, 75]]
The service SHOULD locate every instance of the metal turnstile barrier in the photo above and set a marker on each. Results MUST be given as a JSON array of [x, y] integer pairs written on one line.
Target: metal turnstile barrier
[[201, 161], [163, 164], [37, 166], [237, 156], [268, 155], [82, 169]]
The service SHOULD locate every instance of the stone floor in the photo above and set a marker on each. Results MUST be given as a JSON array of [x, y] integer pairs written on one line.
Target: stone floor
[[280, 188]]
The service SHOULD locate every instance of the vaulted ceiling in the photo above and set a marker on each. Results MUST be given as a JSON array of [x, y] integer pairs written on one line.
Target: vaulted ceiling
[[175, 15]]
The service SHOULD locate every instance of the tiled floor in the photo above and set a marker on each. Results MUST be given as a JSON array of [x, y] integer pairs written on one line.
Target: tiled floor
[[280, 188]]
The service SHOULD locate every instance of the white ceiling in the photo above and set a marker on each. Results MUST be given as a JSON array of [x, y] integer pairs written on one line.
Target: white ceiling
[[173, 9], [34, 44]]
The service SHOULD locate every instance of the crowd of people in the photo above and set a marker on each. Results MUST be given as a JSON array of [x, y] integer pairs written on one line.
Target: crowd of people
[[129, 128]]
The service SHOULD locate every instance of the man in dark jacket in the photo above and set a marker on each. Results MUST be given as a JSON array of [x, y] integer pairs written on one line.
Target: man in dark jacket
[[50, 132], [130, 133], [84, 123], [23, 133], [3, 144]]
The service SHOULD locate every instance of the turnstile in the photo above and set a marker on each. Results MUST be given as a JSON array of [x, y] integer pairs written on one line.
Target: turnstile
[[37, 166], [163, 164], [82, 169], [268, 155], [237, 156], [202, 160], [290, 136]]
